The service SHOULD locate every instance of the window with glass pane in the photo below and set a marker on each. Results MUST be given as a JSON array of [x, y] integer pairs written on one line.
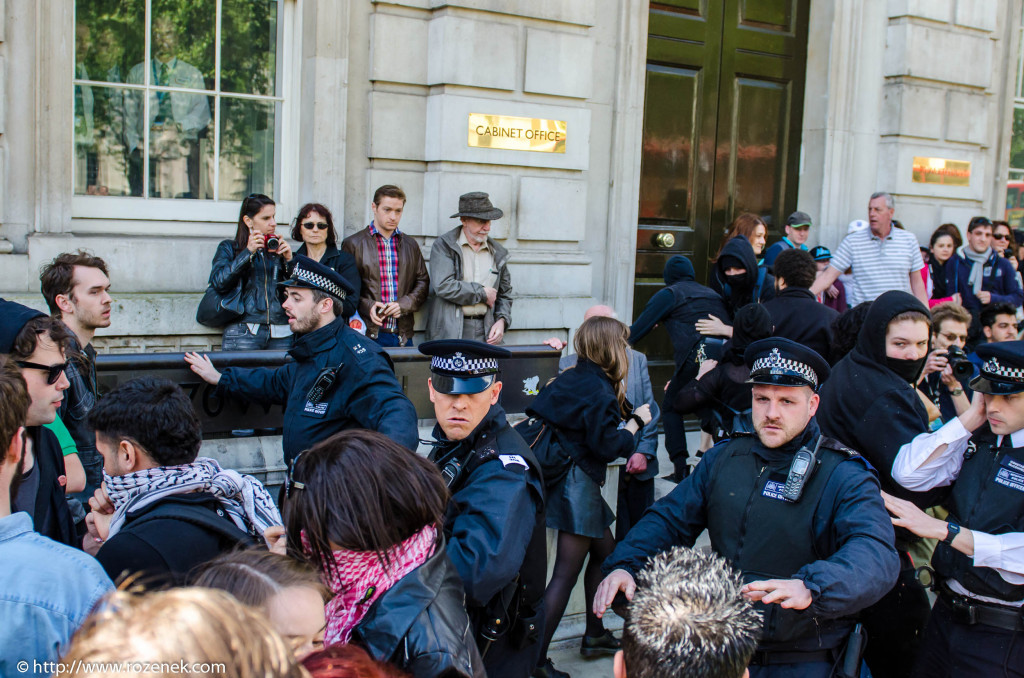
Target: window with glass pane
[[176, 98]]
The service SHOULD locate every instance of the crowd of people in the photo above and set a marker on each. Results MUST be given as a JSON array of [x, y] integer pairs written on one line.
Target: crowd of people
[[861, 412]]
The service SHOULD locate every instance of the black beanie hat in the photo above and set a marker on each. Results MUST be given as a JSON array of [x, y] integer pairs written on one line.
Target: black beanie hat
[[13, 317]]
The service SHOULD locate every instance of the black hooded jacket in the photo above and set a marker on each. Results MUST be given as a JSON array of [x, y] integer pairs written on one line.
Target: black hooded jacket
[[679, 306], [870, 408], [738, 296]]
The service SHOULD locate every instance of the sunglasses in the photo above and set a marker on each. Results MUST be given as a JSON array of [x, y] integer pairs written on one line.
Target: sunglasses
[[289, 478], [1001, 236], [952, 336], [310, 225], [53, 372]]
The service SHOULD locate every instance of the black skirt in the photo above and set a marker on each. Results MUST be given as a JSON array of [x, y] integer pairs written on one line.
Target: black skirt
[[575, 505]]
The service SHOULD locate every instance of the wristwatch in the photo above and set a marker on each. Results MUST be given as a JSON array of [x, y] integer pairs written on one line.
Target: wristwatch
[[952, 530], [956, 392]]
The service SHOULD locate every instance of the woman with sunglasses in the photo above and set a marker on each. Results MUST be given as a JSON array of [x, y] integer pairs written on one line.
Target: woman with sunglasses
[[256, 259], [314, 228], [1003, 242], [366, 513]]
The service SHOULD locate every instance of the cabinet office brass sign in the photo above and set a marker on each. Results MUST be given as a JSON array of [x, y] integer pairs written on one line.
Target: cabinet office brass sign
[[942, 171], [516, 134]]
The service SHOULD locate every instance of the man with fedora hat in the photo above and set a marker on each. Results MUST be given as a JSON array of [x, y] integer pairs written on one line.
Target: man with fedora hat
[[494, 522], [976, 627], [339, 379], [470, 287], [798, 514]]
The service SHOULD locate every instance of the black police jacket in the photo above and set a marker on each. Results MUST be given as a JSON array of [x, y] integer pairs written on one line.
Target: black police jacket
[[797, 315], [258, 273], [366, 393], [420, 624], [345, 265], [987, 496], [496, 506], [580, 403], [839, 528]]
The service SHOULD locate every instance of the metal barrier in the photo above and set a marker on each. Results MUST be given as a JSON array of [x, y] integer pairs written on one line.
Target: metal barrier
[[523, 374]]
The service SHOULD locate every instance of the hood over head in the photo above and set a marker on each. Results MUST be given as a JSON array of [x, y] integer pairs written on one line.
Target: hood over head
[[871, 340], [677, 269], [739, 248]]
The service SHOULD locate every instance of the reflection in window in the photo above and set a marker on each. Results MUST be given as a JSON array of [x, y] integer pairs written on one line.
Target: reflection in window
[[176, 115]]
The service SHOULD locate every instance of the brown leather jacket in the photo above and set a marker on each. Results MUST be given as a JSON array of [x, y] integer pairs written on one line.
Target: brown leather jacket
[[413, 281]]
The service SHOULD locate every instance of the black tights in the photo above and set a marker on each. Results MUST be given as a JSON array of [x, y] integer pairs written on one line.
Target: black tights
[[572, 551]]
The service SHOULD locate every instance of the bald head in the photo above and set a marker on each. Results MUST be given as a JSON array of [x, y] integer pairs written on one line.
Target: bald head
[[600, 311]]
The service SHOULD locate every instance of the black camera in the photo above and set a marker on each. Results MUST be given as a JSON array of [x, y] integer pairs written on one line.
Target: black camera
[[958, 362]]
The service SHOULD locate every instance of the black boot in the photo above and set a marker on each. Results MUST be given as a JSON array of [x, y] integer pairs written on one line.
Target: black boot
[[599, 646], [548, 670]]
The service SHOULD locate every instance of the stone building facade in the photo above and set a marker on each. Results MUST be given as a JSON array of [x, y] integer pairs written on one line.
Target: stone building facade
[[379, 92]]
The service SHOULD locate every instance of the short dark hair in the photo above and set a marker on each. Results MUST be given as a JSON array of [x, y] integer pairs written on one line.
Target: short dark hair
[[154, 414], [388, 191], [978, 222], [320, 295], [57, 277], [689, 618], [946, 229], [989, 313], [15, 399], [949, 310], [795, 267], [305, 211], [397, 494], [27, 339], [845, 329]]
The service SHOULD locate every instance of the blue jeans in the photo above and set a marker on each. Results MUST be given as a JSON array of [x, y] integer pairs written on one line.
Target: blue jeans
[[391, 339]]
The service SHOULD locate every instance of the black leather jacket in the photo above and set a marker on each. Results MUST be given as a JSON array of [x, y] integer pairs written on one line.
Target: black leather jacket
[[258, 273], [421, 626]]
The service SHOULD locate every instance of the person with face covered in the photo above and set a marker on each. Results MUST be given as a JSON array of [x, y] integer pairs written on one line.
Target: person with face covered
[[679, 307], [720, 393], [739, 281], [870, 404]]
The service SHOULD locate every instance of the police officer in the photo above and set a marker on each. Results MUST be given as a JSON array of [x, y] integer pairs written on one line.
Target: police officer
[[798, 514], [495, 518], [976, 627], [338, 380]]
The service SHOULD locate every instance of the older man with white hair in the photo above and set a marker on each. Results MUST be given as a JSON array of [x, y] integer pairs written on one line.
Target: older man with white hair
[[636, 483]]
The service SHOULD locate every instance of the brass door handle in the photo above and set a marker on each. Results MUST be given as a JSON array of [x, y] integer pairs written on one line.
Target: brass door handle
[[664, 240]]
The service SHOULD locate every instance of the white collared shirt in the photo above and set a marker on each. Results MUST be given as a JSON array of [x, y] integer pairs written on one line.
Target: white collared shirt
[[1004, 553]]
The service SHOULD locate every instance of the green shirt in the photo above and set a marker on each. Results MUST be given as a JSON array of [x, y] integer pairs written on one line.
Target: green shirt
[[67, 443]]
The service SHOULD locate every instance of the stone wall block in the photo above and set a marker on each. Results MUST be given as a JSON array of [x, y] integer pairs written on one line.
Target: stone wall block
[[965, 58], [558, 63], [968, 117], [581, 12], [936, 10], [3, 103], [904, 107], [472, 53], [544, 280], [409, 181], [981, 14], [396, 126], [398, 49], [541, 198], [441, 191], [896, 166]]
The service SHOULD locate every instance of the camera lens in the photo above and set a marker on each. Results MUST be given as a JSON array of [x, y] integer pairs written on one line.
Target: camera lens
[[272, 243]]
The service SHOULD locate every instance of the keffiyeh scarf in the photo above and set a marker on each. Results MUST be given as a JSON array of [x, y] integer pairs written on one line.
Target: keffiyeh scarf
[[244, 498], [358, 579]]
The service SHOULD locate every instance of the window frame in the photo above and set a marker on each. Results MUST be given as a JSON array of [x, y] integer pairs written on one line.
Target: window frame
[[131, 210]]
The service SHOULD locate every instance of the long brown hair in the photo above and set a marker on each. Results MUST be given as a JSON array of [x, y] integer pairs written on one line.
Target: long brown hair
[[745, 224], [251, 206], [602, 341], [361, 491]]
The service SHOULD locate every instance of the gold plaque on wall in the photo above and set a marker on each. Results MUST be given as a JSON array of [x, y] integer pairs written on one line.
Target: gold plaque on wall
[[942, 171], [516, 134]]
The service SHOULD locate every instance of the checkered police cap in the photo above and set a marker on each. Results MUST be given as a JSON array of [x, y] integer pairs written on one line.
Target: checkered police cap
[[460, 364], [317, 281], [774, 363], [993, 368]]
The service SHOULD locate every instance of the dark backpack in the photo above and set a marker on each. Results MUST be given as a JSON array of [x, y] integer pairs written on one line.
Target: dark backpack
[[216, 522], [551, 456]]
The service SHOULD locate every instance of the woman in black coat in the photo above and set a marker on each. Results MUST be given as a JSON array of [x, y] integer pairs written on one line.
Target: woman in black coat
[[314, 228], [586, 407], [378, 545], [256, 259]]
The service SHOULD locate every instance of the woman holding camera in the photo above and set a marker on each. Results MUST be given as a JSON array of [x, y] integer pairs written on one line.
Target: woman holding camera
[[594, 424], [314, 228], [257, 259]]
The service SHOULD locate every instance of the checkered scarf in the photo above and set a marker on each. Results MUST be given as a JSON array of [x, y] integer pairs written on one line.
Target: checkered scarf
[[358, 579], [387, 260], [244, 498]]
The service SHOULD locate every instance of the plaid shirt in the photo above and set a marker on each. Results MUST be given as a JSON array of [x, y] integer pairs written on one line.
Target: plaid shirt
[[387, 260]]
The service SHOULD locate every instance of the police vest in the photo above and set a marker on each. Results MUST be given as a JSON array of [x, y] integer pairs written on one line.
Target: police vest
[[987, 496], [767, 537]]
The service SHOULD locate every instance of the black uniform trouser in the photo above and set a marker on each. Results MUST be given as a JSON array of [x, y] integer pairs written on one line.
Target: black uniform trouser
[[674, 422], [502, 660], [951, 649], [895, 625], [635, 497]]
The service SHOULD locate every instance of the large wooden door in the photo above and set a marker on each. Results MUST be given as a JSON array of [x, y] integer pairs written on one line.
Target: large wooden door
[[721, 134]]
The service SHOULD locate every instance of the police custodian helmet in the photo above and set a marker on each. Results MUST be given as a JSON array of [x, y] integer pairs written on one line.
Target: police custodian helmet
[[1002, 369], [460, 366], [782, 362]]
